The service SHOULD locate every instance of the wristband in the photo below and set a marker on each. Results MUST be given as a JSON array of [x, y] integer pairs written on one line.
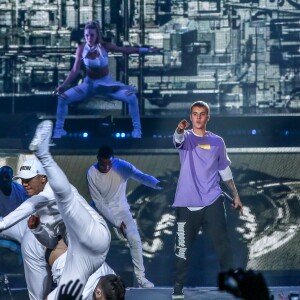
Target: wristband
[[144, 50]]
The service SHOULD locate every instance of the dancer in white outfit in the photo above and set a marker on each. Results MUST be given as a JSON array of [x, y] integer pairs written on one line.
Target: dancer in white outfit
[[88, 235], [107, 181], [94, 54], [56, 258], [42, 202], [12, 194], [37, 271], [89, 289]]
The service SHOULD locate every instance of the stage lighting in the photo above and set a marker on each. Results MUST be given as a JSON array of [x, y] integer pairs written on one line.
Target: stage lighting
[[85, 135], [157, 136], [253, 131], [121, 135]]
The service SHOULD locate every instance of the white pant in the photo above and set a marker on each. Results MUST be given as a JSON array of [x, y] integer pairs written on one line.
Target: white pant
[[135, 243], [37, 271], [91, 87], [89, 237]]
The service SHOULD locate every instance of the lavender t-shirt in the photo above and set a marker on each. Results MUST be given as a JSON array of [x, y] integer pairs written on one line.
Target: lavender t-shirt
[[201, 159]]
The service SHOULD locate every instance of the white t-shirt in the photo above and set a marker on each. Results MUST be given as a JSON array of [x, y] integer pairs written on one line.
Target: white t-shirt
[[108, 190]]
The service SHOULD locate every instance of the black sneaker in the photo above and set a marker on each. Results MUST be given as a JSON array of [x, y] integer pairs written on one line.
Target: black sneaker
[[178, 292]]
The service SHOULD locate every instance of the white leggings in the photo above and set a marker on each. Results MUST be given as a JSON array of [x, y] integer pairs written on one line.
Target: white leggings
[[90, 87], [89, 237]]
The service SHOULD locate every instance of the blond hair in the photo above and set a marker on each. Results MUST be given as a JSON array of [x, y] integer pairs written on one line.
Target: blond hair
[[95, 25]]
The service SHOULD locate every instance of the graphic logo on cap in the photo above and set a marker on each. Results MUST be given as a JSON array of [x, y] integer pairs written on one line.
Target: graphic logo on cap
[[25, 168]]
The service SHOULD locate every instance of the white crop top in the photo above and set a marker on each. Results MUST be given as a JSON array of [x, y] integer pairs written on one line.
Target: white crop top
[[99, 62]]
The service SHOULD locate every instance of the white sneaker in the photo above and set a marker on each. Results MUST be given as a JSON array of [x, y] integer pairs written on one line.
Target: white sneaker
[[59, 133], [145, 283], [136, 133], [40, 142]]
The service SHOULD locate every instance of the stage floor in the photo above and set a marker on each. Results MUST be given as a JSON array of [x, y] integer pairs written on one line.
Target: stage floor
[[205, 293], [165, 293]]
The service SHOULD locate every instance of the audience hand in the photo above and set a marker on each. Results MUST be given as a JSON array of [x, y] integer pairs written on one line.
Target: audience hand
[[70, 291]]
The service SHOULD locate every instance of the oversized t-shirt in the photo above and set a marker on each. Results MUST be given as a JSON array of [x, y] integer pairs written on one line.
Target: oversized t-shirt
[[201, 159]]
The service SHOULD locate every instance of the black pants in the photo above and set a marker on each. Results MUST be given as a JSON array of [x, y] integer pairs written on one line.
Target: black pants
[[212, 220]]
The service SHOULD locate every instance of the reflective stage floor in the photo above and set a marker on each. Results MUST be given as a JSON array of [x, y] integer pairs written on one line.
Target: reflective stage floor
[[165, 293], [205, 293]]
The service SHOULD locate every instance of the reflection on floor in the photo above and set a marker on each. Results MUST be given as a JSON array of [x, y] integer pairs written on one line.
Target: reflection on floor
[[205, 293], [165, 293]]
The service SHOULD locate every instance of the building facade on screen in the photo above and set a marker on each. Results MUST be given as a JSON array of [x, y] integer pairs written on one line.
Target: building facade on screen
[[235, 54]]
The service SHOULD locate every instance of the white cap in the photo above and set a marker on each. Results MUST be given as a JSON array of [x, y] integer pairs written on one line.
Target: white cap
[[29, 169]]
